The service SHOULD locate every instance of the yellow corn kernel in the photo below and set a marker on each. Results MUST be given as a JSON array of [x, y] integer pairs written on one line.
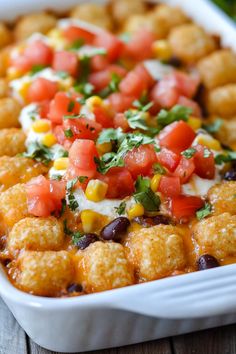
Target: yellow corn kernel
[[210, 143], [155, 182], [56, 39], [104, 148], [194, 122], [136, 210], [66, 84], [96, 190], [61, 163], [91, 221], [13, 73], [162, 50], [41, 126], [93, 101], [24, 89], [49, 140]]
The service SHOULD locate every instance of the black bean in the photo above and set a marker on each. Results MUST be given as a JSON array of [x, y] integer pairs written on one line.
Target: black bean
[[174, 61], [161, 219], [206, 262], [230, 175], [6, 261], [146, 221], [85, 240], [75, 288], [115, 229]]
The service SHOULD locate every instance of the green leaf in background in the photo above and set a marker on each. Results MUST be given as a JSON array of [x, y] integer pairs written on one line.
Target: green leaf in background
[[228, 6]]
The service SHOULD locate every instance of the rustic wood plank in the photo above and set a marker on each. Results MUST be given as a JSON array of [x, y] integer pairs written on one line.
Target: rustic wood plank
[[155, 347], [220, 340], [12, 336]]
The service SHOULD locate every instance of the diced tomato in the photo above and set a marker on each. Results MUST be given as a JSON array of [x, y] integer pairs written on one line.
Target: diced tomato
[[186, 84], [44, 108], [41, 89], [120, 102], [111, 43], [82, 128], [144, 74], [59, 133], [168, 159], [99, 62], [120, 121], [185, 169], [38, 53], [74, 33], [139, 46], [120, 182], [81, 156], [196, 110], [132, 85], [177, 136], [103, 117], [139, 161], [60, 106], [164, 94], [170, 186], [44, 196], [101, 79], [66, 61], [204, 162], [21, 63], [185, 207]]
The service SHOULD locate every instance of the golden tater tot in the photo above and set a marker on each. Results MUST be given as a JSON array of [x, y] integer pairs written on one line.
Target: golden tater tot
[[222, 101], [223, 197], [3, 87], [226, 133], [5, 35], [93, 13], [190, 43], [36, 234], [45, 273], [9, 113], [216, 235], [18, 170], [135, 22], [12, 141], [13, 206], [121, 10], [156, 252], [218, 68], [37, 22], [103, 266]]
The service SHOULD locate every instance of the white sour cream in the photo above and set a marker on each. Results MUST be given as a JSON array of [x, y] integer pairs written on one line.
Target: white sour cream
[[28, 115]]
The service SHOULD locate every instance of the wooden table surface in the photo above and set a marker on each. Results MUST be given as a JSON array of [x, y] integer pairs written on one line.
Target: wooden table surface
[[13, 340]]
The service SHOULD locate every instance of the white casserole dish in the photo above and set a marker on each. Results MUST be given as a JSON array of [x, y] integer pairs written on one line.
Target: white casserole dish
[[141, 312]]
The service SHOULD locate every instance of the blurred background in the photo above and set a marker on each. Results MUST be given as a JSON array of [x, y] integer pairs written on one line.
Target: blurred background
[[229, 6]]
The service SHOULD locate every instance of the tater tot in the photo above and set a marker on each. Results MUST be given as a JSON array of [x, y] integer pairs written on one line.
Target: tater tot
[[190, 43], [36, 234], [5, 35], [218, 68], [9, 113], [121, 10], [222, 101], [4, 57], [18, 170], [223, 197], [45, 273], [156, 252], [103, 266], [226, 133], [217, 235], [93, 13], [135, 22], [37, 22], [13, 206], [3, 87], [12, 141]]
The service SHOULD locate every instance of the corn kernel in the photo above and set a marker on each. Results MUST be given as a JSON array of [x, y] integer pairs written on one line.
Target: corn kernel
[[194, 122], [56, 39], [210, 143], [24, 89], [61, 163], [41, 126], [155, 182], [104, 148], [136, 210], [162, 50], [13, 73], [96, 190], [66, 84], [91, 221], [93, 101], [49, 140]]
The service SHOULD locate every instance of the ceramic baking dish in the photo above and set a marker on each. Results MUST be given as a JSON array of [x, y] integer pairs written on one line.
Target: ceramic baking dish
[[137, 313]]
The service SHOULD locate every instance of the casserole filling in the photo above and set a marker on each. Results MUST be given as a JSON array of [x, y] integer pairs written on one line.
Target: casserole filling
[[117, 149]]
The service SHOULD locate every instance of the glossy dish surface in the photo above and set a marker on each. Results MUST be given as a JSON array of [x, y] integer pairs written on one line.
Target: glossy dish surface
[[115, 167]]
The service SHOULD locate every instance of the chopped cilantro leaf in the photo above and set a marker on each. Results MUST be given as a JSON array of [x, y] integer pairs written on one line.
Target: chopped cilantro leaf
[[206, 153], [188, 153], [113, 86], [74, 116], [110, 134], [75, 236], [84, 68], [228, 156], [204, 211], [158, 168], [62, 74], [121, 208], [176, 113], [63, 207], [39, 152], [142, 107], [71, 106], [213, 127], [77, 44], [68, 133], [72, 202], [145, 196], [85, 88], [36, 69], [56, 177]]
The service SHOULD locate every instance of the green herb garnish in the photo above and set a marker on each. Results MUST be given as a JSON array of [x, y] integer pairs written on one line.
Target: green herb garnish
[[204, 211], [120, 210], [77, 44], [75, 236], [113, 86], [39, 152], [188, 153], [36, 69], [71, 106], [62, 74], [158, 168], [68, 133], [213, 127], [176, 113], [108, 135], [224, 158], [145, 196], [206, 153]]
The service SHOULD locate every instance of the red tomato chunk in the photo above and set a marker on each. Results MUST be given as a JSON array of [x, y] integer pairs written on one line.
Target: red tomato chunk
[[120, 182], [185, 169], [74, 33], [168, 159], [204, 162], [185, 207], [62, 105], [110, 43], [66, 61], [41, 90], [169, 186]]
